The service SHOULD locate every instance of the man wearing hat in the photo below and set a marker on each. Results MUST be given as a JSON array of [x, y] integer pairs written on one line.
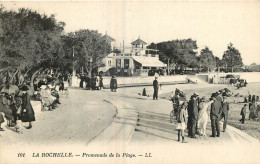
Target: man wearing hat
[[155, 88], [193, 112], [225, 109], [215, 112]]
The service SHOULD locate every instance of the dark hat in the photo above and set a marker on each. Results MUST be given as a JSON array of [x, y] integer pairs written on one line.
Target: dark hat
[[195, 94], [24, 88]]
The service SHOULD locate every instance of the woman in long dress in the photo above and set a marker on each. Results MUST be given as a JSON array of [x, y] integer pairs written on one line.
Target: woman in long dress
[[27, 110], [203, 116]]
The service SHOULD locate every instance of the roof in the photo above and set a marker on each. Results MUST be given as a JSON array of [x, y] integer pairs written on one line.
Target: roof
[[138, 42], [149, 61], [108, 38]]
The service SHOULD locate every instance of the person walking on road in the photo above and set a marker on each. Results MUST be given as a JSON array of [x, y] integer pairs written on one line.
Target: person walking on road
[[192, 115], [182, 122], [113, 83], [215, 112], [225, 109], [155, 88], [243, 114]]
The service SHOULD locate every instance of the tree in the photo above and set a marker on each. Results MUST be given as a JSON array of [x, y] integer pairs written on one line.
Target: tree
[[29, 40], [89, 49], [182, 53], [207, 59], [232, 57]]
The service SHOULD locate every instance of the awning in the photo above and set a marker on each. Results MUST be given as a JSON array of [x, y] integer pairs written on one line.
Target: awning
[[149, 61]]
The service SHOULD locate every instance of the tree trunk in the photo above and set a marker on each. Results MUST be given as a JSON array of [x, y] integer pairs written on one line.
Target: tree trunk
[[33, 76], [12, 78]]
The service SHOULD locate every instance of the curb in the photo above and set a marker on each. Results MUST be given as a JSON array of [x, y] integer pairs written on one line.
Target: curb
[[121, 129]]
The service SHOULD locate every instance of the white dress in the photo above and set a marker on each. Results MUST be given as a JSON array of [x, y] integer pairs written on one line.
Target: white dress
[[203, 117]]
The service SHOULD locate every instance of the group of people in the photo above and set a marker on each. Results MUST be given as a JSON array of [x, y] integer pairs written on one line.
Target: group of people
[[16, 107], [254, 108], [48, 93], [194, 114], [93, 83]]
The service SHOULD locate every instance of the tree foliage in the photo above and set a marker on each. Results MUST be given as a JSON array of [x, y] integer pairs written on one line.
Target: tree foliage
[[232, 57], [179, 52], [29, 39], [89, 48], [207, 59]]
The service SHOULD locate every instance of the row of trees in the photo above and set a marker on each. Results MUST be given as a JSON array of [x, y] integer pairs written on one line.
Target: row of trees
[[30, 42], [183, 53]]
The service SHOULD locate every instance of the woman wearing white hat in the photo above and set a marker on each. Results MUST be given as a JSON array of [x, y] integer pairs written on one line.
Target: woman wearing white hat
[[203, 115]]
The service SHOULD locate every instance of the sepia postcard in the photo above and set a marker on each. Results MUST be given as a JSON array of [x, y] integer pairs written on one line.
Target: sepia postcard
[[129, 82]]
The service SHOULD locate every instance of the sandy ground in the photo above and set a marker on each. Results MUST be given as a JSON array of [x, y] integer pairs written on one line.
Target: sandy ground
[[81, 116]]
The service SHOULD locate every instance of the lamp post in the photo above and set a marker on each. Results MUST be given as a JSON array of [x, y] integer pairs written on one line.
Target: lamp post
[[90, 66], [73, 63]]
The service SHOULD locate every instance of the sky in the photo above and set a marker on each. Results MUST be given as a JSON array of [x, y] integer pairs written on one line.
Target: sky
[[211, 24]]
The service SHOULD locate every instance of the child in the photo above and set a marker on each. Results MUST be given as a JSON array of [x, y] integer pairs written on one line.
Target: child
[[182, 122]]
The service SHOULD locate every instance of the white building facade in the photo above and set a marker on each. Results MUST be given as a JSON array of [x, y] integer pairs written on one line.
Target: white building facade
[[136, 60]]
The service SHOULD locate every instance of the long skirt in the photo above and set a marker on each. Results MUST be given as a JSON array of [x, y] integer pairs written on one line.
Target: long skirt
[[28, 116], [1, 118]]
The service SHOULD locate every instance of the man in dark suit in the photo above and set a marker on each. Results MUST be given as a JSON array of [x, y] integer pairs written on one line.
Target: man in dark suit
[[243, 114], [193, 113], [155, 88], [225, 109], [215, 111]]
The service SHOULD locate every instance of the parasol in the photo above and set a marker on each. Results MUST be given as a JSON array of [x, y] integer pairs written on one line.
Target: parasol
[[9, 89], [29, 91]]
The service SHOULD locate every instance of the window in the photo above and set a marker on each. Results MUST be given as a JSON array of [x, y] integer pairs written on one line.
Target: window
[[118, 63], [126, 63], [109, 63]]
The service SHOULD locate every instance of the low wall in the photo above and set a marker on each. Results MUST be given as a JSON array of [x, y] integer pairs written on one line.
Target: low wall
[[143, 81], [138, 81], [250, 77]]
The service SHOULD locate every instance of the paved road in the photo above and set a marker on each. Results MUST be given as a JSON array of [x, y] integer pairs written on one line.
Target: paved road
[[122, 122]]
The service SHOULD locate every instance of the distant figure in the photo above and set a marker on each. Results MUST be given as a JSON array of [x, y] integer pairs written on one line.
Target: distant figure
[[1, 121], [252, 111], [253, 98], [113, 83], [97, 82], [101, 85], [155, 88], [249, 98], [144, 92], [243, 114]]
